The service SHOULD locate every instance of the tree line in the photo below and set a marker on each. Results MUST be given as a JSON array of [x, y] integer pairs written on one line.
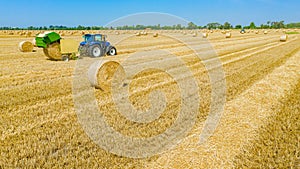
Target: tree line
[[190, 25]]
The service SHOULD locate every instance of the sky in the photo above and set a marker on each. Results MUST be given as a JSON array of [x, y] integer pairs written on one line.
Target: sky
[[21, 13]]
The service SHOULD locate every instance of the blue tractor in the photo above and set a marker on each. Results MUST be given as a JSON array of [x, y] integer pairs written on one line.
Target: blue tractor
[[95, 45]]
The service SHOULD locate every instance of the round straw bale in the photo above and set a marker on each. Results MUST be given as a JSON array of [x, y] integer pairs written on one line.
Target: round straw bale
[[53, 51], [195, 34], [228, 35], [283, 38], [25, 46], [204, 35], [265, 32], [28, 34], [101, 73], [155, 35], [256, 32]]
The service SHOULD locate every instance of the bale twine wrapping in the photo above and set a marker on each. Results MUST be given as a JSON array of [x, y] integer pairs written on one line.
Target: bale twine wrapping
[[101, 74], [26, 46], [283, 38]]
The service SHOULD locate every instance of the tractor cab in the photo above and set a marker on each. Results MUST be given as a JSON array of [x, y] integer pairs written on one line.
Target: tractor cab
[[95, 45], [96, 37]]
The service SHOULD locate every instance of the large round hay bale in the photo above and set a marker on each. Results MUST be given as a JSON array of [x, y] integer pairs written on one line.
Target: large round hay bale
[[155, 35], [53, 51], [194, 34], [101, 73], [256, 32], [204, 35], [283, 38], [25, 46], [228, 35], [265, 32]]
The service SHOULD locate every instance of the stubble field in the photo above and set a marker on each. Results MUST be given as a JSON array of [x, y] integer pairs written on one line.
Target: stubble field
[[259, 127]]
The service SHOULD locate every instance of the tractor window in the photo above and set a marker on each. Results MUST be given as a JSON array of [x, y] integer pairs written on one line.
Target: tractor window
[[88, 38], [98, 38]]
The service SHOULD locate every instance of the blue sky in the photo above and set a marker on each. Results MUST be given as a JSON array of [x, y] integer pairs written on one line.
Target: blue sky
[[100, 12]]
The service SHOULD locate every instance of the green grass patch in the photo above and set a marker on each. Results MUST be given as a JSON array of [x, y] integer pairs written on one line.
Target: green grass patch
[[290, 33]]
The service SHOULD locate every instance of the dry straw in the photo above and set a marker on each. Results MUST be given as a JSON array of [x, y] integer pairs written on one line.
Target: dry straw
[[102, 73], [283, 38], [53, 51], [26, 46], [228, 35], [138, 34], [155, 35]]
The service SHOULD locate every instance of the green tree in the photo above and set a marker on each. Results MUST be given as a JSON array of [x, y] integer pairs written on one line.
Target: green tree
[[191, 25], [227, 25], [252, 25], [213, 25], [238, 27]]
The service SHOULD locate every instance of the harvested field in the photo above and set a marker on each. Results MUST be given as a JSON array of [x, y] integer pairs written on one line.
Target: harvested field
[[259, 127]]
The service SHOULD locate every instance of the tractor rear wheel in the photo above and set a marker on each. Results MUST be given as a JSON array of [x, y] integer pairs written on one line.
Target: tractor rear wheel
[[95, 51], [112, 51]]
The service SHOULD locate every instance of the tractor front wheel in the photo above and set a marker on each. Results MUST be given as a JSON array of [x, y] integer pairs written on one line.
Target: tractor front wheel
[[112, 51]]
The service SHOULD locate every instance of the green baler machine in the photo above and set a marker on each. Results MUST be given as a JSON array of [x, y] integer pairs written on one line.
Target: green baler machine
[[44, 39], [55, 47]]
